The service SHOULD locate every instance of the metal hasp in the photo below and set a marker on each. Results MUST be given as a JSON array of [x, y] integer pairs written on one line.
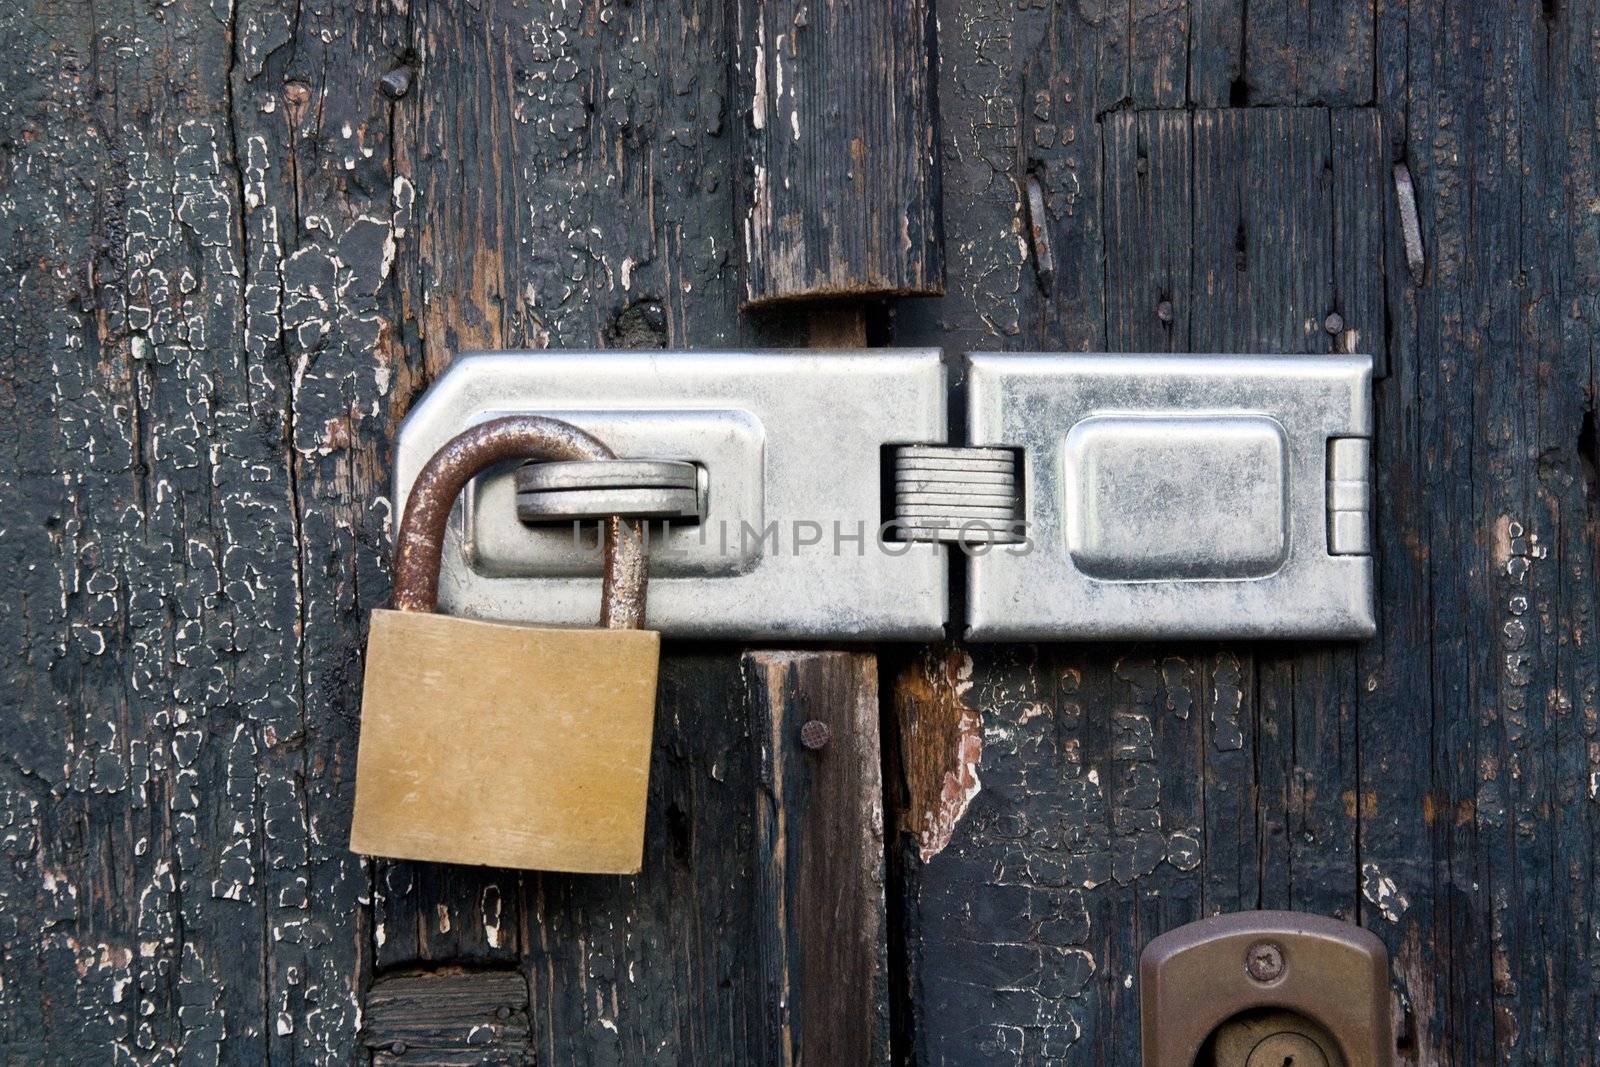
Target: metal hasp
[[792, 446], [1178, 496], [1262, 988]]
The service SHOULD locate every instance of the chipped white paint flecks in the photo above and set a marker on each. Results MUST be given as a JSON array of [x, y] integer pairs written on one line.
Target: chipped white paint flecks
[[1380, 890], [758, 101]]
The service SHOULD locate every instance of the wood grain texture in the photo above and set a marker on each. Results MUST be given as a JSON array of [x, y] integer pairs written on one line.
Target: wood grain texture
[[1436, 784], [232, 261], [1273, 52], [819, 827], [449, 1019], [840, 191]]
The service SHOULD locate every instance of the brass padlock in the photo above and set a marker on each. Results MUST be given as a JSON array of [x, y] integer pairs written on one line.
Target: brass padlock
[[496, 744]]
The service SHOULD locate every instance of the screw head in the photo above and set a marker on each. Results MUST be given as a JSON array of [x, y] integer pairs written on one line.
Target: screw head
[[1334, 323], [814, 734], [1264, 961]]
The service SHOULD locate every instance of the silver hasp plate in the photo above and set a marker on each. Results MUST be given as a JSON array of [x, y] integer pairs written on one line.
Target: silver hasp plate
[[791, 446], [1177, 496]]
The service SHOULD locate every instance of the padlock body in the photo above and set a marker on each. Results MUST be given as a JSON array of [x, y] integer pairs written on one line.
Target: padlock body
[[507, 746]]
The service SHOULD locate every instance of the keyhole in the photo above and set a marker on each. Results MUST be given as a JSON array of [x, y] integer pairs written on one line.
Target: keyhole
[[1270, 1037]]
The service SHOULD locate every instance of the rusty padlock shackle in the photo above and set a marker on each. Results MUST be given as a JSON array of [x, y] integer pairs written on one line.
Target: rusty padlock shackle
[[420, 542]]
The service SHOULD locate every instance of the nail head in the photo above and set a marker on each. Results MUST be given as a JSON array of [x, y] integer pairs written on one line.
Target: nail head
[[814, 734]]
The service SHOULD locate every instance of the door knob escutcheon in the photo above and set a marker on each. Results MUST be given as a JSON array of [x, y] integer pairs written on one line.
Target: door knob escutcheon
[[1304, 989]]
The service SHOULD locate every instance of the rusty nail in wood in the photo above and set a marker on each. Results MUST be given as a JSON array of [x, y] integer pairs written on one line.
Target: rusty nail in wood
[[1410, 223], [1044, 261], [503, 1012], [397, 1048], [1141, 166], [396, 83], [1264, 961], [814, 734], [1164, 311], [1334, 323]]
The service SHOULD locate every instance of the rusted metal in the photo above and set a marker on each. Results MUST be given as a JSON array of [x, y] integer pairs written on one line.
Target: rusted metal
[[1265, 962], [1302, 982], [815, 734], [1410, 222], [1044, 260], [420, 541], [1334, 323]]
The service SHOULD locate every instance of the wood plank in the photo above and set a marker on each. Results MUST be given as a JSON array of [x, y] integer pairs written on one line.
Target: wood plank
[[840, 185], [1263, 231], [166, 779], [1483, 861], [1266, 264], [449, 1018], [1011, 834], [1468, 723], [332, 221], [264, 257], [1171, 782], [819, 826], [1148, 199], [1251, 53]]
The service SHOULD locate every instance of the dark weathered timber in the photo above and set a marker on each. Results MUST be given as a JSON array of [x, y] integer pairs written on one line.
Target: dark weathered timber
[[1269, 52], [840, 180], [1436, 784], [175, 760], [445, 1019], [819, 831], [1191, 779], [248, 256], [1492, 550], [572, 171]]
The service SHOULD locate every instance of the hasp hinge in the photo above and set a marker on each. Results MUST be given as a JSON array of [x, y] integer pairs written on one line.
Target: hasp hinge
[[825, 494]]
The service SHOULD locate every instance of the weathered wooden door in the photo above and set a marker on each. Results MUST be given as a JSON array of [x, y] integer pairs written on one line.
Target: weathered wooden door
[[238, 238]]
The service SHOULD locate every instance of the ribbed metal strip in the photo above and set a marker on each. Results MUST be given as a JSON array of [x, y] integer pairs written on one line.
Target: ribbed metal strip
[[955, 494]]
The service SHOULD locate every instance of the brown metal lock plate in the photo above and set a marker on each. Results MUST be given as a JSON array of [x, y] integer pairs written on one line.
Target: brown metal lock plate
[[1266, 989]]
